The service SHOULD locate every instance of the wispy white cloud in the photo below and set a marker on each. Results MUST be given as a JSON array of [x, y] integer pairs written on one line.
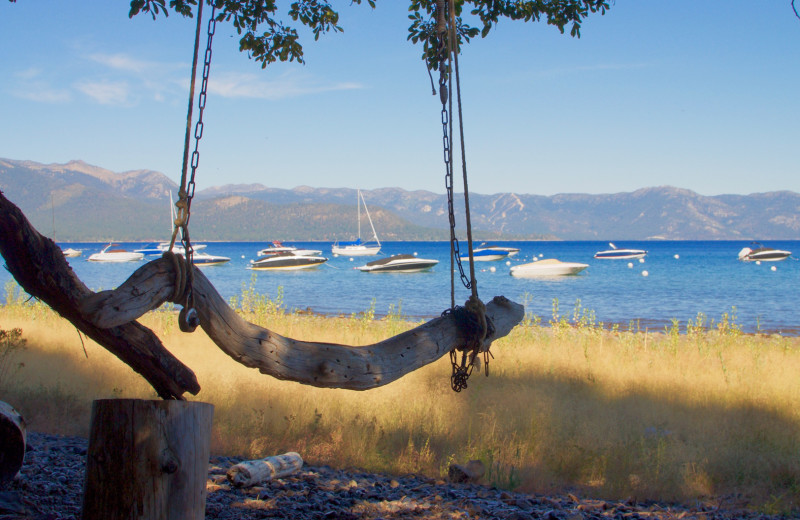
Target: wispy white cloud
[[252, 86], [106, 92], [30, 85]]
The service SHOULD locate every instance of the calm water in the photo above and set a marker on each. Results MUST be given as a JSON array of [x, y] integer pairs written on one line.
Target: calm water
[[705, 277]]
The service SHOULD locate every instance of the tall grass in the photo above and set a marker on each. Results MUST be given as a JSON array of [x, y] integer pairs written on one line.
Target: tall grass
[[692, 412]]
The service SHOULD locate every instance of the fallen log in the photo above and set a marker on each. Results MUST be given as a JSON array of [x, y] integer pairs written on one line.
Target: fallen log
[[38, 265], [12, 442], [254, 472]]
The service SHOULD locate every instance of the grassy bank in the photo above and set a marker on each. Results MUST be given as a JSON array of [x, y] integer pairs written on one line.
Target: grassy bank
[[695, 411]]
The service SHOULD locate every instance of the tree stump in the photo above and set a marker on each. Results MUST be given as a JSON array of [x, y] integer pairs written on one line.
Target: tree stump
[[12, 442], [147, 459]]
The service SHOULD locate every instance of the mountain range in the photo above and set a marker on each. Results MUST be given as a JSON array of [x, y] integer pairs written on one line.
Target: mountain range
[[77, 201]]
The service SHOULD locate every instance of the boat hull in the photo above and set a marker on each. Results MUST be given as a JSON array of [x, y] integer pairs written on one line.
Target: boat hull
[[287, 263], [764, 254], [486, 255], [399, 264], [355, 250], [116, 257], [620, 254], [545, 268]]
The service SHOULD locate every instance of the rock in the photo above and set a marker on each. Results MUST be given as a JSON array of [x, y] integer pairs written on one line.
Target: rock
[[472, 471]]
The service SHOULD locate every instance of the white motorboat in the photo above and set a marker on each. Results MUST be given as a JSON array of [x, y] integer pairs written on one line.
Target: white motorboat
[[71, 253], [485, 255], [398, 264], [162, 247], [115, 255], [287, 261], [202, 259], [619, 254], [547, 267], [491, 247], [762, 254], [278, 247], [357, 247]]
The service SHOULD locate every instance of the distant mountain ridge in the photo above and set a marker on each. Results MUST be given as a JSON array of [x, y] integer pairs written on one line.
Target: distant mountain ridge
[[79, 201]]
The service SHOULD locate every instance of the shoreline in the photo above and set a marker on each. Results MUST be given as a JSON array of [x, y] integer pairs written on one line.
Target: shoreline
[[50, 485]]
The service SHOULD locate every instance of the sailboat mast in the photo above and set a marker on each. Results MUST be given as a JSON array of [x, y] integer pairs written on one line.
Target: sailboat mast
[[359, 198], [374, 234]]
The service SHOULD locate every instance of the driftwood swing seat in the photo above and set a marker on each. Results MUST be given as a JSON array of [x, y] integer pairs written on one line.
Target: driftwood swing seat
[[109, 318]]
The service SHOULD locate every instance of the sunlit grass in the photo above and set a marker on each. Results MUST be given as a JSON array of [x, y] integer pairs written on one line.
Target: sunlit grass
[[692, 411]]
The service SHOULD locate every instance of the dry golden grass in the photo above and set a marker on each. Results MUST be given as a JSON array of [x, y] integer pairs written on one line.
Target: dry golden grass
[[707, 412]]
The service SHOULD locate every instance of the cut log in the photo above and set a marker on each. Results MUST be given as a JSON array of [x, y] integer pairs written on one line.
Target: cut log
[[38, 265], [147, 459], [254, 472], [12, 442]]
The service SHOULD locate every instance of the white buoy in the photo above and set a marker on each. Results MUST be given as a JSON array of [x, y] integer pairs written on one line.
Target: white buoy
[[541, 255], [677, 256], [758, 262], [508, 262], [645, 273], [492, 269], [774, 268], [415, 253], [242, 256], [630, 265], [351, 259], [641, 260]]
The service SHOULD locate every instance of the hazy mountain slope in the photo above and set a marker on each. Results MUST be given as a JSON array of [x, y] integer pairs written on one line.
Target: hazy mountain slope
[[89, 202]]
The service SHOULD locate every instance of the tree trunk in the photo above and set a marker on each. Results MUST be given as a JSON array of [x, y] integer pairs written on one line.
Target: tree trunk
[[147, 459], [12, 442]]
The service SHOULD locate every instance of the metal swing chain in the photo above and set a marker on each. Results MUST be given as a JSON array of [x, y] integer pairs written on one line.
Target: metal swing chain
[[472, 317], [187, 319]]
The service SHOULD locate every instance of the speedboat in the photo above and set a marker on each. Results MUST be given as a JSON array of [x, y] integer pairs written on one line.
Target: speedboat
[[485, 255], [398, 264], [510, 250], [278, 247], [115, 255], [203, 258], [162, 247], [763, 254], [287, 261], [619, 254], [547, 267], [71, 253]]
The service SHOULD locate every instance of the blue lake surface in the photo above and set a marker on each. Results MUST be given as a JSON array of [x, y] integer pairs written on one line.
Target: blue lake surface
[[684, 278]]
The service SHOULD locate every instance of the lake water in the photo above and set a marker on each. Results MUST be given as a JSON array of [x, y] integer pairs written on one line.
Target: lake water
[[684, 278]]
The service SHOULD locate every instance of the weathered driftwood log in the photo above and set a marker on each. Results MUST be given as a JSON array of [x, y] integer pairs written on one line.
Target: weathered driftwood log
[[108, 319], [319, 364], [147, 459], [253, 472], [12, 442], [40, 268]]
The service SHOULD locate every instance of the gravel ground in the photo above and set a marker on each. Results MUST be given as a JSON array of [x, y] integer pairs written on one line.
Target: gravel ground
[[50, 484]]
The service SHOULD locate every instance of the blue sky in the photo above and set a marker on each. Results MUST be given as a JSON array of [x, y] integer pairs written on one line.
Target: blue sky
[[695, 94]]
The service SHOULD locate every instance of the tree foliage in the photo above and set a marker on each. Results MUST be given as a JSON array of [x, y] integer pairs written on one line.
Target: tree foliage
[[266, 38]]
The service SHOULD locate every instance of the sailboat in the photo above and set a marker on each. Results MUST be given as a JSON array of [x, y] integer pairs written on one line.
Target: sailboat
[[357, 247]]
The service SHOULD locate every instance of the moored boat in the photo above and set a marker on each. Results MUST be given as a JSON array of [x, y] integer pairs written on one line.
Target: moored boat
[[71, 253], [287, 261], [619, 254], [278, 247], [203, 259], [398, 264], [357, 247], [107, 254], [485, 255], [547, 267], [508, 249], [763, 254]]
